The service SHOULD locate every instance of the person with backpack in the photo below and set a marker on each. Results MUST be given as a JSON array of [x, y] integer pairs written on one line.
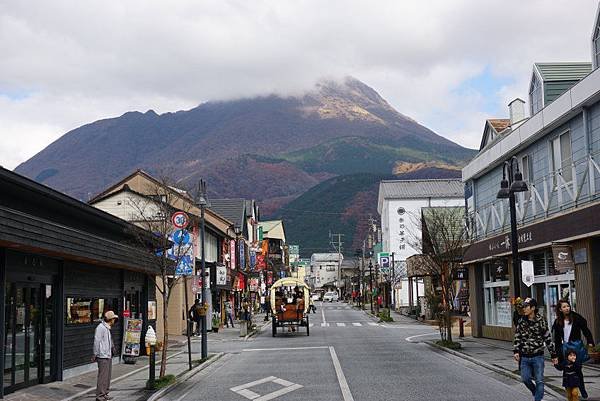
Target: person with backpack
[[531, 337], [569, 328], [195, 316]]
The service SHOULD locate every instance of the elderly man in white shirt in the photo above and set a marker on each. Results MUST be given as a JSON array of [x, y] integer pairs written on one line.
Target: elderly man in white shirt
[[103, 352]]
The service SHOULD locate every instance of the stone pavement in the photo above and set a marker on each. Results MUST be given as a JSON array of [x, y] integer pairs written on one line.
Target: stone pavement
[[129, 381]]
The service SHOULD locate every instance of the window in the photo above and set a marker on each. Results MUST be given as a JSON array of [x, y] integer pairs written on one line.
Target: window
[[535, 96], [88, 310], [497, 308], [596, 46], [526, 168], [561, 157]]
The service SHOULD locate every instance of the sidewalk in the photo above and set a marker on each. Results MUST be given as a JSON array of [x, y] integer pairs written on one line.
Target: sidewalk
[[499, 355], [129, 381]]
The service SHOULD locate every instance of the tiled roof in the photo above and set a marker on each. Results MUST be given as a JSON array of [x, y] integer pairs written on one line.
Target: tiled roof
[[405, 189], [231, 209], [499, 124], [563, 71]]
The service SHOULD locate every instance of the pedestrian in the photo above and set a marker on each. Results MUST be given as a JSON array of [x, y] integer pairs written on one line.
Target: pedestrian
[[267, 306], [568, 328], [228, 314], [104, 349], [531, 335], [195, 316], [572, 375], [311, 305]]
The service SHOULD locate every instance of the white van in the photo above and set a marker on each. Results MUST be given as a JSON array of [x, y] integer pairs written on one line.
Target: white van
[[331, 296]]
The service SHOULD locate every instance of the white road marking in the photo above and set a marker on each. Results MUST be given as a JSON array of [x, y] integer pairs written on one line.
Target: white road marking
[[409, 339], [341, 324], [356, 324], [244, 391], [373, 324], [311, 324], [340, 376], [323, 314], [324, 324], [282, 349]]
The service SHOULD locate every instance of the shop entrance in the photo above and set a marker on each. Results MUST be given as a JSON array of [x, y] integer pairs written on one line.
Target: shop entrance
[[28, 335], [550, 292]]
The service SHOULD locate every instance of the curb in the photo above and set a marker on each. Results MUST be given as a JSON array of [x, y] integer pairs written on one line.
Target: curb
[[117, 379], [547, 388], [258, 330], [163, 391]]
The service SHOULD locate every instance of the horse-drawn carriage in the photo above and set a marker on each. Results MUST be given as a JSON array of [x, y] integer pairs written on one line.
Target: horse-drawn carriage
[[290, 300]]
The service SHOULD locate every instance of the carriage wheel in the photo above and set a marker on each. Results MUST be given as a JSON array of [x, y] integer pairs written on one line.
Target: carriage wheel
[[307, 326], [274, 326]]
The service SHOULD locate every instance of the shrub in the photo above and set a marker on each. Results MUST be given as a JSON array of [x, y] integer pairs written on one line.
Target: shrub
[[448, 344], [160, 382]]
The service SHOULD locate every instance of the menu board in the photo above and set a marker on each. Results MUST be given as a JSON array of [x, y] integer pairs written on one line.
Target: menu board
[[132, 337]]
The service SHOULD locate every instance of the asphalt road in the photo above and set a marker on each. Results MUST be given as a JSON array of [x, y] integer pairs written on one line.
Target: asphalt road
[[347, 357]]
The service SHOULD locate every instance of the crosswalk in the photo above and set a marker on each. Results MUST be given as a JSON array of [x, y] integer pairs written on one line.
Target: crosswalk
[[346, 324]]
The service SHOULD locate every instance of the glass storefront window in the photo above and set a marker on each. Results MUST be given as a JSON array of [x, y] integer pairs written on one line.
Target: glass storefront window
[[497, 310], [88, 310]]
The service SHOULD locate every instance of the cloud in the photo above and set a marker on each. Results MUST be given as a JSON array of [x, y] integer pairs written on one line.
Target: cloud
[[65, 64]]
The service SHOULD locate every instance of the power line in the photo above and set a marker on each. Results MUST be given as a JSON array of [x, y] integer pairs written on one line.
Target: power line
[[317, 212]]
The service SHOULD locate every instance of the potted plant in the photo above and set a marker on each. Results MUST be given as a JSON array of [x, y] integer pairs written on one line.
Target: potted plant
[[216, 321], [594, 353]]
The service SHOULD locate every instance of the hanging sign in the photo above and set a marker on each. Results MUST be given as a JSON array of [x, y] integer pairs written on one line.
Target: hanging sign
[[242, 255], [527, 274], [232, 250], [563, 257], [221, 275]]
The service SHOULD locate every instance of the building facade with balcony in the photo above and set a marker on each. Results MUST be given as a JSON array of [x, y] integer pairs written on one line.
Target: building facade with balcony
[[557, 151]]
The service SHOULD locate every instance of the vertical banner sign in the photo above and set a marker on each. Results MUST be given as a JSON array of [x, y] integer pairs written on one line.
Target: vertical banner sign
[[132, 337], [242, 255], [232, 249], [563, 257], [252, 260], [221, 275], [527, 274]]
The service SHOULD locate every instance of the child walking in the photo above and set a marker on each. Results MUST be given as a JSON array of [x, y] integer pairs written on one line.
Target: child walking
[[571, 369]]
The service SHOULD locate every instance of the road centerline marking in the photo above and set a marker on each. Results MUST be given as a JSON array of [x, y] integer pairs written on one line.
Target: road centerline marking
[[340, 376]]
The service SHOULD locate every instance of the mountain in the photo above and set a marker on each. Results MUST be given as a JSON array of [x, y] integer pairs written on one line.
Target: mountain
[[342, 205], [270, 148]]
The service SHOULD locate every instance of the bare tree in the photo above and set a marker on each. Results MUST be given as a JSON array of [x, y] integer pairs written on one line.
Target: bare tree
[[442, 244], [152, 210]]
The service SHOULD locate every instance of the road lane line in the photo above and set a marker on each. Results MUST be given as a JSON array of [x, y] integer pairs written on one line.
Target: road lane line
[[324, 324], [282, 349], [248, 394], [373, 324], [323, 313], [341, 324], [356, 324], [340, 376], [409, 339]]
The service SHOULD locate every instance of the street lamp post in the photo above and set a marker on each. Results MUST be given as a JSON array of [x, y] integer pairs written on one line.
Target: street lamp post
[[371, 283], [203, 202], [508, 188]]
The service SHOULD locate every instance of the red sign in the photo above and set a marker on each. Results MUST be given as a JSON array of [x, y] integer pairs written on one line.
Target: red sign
[[260, 262], [232, 254], [126, 313], [180, 220]]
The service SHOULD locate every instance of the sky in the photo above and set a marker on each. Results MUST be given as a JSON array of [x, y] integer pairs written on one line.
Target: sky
[[449, 64]]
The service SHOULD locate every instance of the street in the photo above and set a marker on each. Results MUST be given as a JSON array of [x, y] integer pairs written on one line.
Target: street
[[348, 356]]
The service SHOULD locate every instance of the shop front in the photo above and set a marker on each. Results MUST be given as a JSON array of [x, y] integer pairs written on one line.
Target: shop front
[[495, 283]]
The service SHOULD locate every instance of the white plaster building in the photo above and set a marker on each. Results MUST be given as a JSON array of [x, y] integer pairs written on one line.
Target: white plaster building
[[324, 270], [399, 205]]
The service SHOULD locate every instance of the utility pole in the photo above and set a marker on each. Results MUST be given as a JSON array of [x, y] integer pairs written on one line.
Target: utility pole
[[203, 204], [339, 252], [393, 286], [371, 283]]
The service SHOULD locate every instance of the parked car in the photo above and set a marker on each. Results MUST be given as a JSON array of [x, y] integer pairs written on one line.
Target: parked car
[[315, 297], [331, 296]]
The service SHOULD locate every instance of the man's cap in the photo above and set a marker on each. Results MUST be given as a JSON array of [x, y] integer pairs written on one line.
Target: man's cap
[[110, 315], [530, 302]]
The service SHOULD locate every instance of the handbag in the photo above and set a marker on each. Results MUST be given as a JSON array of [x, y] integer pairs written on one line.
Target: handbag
[[580, 349]]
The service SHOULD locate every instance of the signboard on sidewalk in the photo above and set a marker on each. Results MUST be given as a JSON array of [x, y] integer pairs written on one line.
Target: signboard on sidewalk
[[132, 336]]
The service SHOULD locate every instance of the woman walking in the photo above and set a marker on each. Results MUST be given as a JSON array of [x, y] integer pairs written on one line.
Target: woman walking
[[568, 328]]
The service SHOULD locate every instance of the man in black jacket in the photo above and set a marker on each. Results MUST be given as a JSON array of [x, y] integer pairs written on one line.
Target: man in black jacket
[[568, 328], [530, 337]]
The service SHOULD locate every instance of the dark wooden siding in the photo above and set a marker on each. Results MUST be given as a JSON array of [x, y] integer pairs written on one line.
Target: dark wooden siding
[[89, 281]]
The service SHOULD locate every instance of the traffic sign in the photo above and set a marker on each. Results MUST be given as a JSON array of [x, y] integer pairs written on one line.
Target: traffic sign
[[180, 219], [185, 266], [384, 260], [181, 237]]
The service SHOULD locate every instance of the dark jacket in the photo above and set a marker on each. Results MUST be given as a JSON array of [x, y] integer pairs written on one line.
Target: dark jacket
[[578, 327], [531, 336], [571, 373], [194, 313]]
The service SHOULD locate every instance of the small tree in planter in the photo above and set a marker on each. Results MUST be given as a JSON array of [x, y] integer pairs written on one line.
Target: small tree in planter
[[216, 321]]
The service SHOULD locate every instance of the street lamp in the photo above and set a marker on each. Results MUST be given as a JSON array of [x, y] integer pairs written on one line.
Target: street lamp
[[508, 188], [203, 203]]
